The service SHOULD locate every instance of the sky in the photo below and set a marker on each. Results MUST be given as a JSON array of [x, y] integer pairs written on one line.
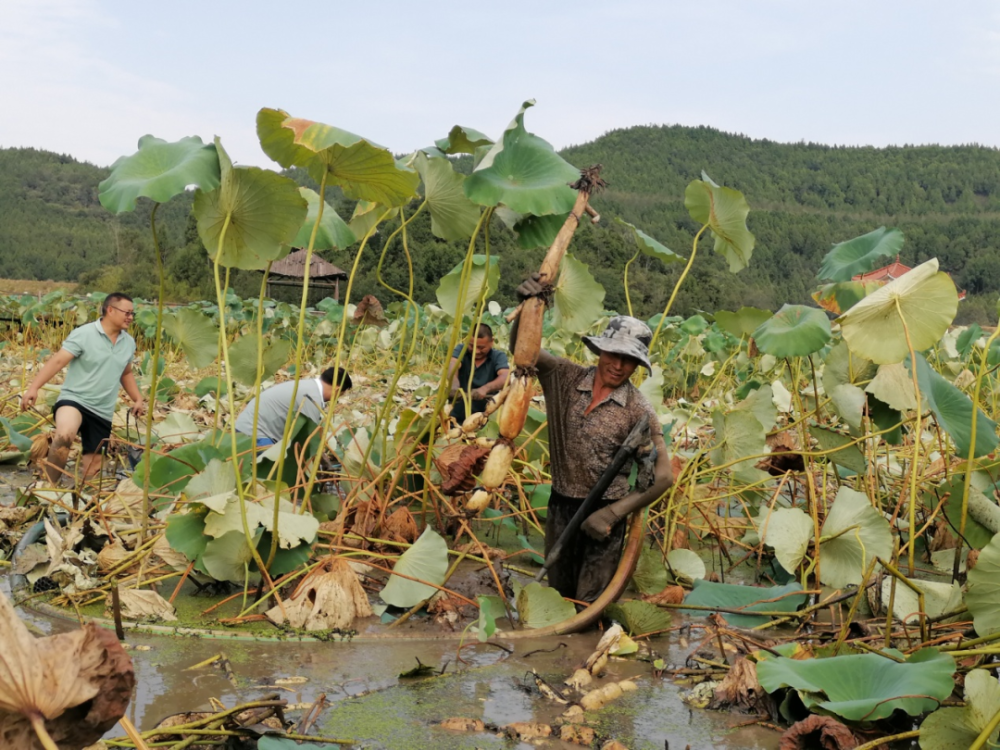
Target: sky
[[88, 78]]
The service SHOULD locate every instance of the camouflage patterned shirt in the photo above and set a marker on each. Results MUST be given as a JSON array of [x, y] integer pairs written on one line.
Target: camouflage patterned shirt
[[582, 447]]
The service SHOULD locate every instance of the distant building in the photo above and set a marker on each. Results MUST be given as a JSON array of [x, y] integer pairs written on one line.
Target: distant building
[[889, 273], [290, 271]]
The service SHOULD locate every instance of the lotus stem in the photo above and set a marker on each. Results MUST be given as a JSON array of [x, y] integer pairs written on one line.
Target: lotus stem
[[38, 724], [917, 435], [677, 286], [154, 375], [628, 299]]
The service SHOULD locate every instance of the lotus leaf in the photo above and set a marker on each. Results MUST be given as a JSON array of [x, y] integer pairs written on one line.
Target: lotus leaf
[[538, 231], [648, 246], [217, 479], [748, 598], [861, 534], [523, 172], [650, 575], [958, 728], [483, 282], [893, 385], [490, 610], [849, 402], [176, 428], [159, 170], [426, 560], [983, 595], [578, 299], [453, 216], [864, 687], [186, 534], [195, 333], [463, 140], [251, 218], [366, 217], [977, 535], [639, 618], [739, 434], [795, 331], [364, 170], [788, 531], [924, 298], [844, 451], [761, 404], [652, 389], [228, 558], [539, 606], [685, 564], [842, 367], [939, 599], [743, 322], [19, 441], [725, 211], [294, 529], [243, 358], [840, 297], [860, 255], [953, 411], [967, 339], [333, 232]]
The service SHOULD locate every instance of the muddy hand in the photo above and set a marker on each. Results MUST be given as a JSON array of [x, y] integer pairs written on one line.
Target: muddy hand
[[530, 287], [28, 399], [598, 524]]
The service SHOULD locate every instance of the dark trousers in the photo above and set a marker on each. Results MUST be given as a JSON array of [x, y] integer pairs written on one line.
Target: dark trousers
[[586, 566]]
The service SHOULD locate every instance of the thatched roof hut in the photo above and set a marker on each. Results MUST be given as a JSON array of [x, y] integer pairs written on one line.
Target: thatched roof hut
[[290, 271]]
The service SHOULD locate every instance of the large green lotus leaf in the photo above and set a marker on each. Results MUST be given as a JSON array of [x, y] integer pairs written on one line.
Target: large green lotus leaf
[[539, 606], [639, 618], [748, 598], [788, 531], [743, 322], [795, 331], [983, 595], [686, 565], [177, 428], [15, 438], [218, 478], [537, 231], [939, 599], [958, 728], [453, 216], [648, 246], [650, 575], [523, 172], [463, 140], [967, 339], [426, 560], [842, 366], [842, 296], [976, 535], [362, 169], [850, 401], [333, 232], [366, 217], [294, 528], [739, 434], [845, 451], [483, 282], [760, 403], [864, 687], [195, 333], [491, 609], [725, 211], [186, 533], [888, 419], [927, 301], [159, 171], [228, 517], [170, 474], [953, 411], [866, 534], [228, 557], [256, 214], [893, 385], [578, 299], [243, 358], [860, 255]]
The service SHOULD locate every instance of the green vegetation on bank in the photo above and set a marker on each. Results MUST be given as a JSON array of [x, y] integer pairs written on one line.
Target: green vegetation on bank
[[805, 197]]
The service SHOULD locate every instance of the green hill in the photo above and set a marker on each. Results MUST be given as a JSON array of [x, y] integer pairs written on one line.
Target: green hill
[[803, 198]]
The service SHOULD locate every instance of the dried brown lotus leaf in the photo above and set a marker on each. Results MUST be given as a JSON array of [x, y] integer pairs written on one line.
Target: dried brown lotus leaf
[[40, 448], [739, 689], [369, 312], [400, 526], [111, 556], [330, 598], [818, 733], [458, 465], [669, 595], [141, 604]]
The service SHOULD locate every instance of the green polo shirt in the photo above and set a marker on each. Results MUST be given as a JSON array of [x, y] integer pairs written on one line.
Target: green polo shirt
[[94, 375]]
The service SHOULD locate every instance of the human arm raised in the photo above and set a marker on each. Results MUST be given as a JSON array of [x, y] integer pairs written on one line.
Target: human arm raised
[[54, 364]]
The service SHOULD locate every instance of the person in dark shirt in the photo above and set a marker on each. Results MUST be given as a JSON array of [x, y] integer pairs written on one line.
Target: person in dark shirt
[[488, 369]]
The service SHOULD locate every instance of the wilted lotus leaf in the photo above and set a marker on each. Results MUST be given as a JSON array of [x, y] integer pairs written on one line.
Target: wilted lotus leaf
[[400, 526], [819, 732], [369, 312], [145, 605], [40, 448], [72, 687], [639, 618], [739, 689], [459, 464], [328, 599], [669, 595]]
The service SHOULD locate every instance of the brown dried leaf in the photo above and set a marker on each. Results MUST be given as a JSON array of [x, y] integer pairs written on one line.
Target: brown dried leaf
[[140, 604], [817, 732], [111, 556], [369, 312], [669, 595], [972, 559], [739, 689], [40, 448], [329, 598], [460, 724], [458, 468], [400, 526]]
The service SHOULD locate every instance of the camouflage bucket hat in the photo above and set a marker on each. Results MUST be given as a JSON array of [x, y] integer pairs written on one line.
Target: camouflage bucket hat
[[626, 336]]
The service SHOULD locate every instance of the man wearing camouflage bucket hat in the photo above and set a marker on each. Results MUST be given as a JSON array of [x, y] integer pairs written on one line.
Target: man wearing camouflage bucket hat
[[591, 410]]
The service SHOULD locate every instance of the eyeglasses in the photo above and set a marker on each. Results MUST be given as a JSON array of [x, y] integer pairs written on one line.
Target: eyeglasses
[[126, 313]]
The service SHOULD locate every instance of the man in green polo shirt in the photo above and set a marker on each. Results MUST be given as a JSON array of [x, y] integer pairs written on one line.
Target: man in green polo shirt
[[99, 355]]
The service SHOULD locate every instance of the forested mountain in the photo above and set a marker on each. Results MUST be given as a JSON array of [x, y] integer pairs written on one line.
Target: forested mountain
[[803, 198]]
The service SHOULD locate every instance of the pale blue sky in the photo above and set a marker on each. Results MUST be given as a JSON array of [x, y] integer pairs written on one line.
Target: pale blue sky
[[89, 77]]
